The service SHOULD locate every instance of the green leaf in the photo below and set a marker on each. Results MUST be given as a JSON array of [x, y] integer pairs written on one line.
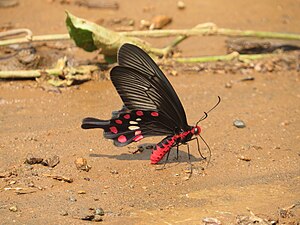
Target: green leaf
[[78, 32], [90, 36]]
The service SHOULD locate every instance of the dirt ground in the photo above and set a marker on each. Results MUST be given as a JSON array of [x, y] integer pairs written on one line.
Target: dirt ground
[[252, 169]]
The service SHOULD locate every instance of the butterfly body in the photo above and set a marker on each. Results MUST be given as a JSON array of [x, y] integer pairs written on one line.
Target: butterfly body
[[151, 106], [168, 142]]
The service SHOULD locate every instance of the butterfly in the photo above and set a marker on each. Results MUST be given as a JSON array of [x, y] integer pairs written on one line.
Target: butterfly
[[151, 106]]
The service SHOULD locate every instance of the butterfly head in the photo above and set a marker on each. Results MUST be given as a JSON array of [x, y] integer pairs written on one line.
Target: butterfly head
[[196, 130]]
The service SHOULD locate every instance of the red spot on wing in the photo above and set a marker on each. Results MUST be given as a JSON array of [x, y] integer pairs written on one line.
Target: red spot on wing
[[119, 121], [154, 113], [139, 137], [113, 129], [122, 139], [139, 113], [126, 116], [137, 132]]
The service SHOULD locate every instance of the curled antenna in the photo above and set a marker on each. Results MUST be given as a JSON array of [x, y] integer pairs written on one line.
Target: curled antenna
[[206, 113]]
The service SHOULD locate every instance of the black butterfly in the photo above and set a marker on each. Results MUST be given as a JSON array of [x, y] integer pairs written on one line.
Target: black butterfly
[[151, 106]]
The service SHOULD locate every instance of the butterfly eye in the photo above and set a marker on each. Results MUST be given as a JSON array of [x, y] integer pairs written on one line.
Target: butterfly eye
[[196, 130]]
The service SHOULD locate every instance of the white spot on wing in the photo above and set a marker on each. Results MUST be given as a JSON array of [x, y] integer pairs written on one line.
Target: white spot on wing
[[133, 127], [133, 122], [138, 119]]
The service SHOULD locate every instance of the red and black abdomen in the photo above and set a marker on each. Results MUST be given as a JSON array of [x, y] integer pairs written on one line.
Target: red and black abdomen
[[162, 148]]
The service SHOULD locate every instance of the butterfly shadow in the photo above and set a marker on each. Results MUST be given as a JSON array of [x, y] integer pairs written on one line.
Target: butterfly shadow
[[144, 151]]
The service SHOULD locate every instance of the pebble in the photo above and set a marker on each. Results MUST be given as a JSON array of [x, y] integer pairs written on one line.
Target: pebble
[[52, 161], [81, 164], [97, 218], [249, 78], [99, 211], [180, 5], [228, 85], [239, 124], [145, 24], [160, 21], [114, 172], [212, 221], [30, 159], [13, 208], [72, 199], [64, 213]]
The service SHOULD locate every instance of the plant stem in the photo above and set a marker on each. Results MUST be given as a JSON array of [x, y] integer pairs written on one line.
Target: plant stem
[[55, 72], [37, 38], [212, 31], [183, 34], [229, 57]]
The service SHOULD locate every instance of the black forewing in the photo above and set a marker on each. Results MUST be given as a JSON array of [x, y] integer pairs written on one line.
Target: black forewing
[[142, 85]]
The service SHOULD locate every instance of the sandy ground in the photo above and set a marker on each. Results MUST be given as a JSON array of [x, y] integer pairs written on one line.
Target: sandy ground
[[126, 186]]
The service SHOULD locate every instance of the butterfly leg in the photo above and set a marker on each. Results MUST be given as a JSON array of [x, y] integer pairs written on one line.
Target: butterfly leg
[[198, 147], [177, 151], [164, 166], [189, 171]]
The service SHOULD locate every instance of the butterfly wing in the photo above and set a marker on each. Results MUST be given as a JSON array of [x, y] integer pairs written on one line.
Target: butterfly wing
[[143, 86], [130, 126]]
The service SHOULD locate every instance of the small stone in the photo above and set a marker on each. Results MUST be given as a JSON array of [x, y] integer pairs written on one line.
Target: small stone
[[64, 213], [228, 85], [160, 21], [30, 159], [52, 161], [72, 199], [285, 123], [28, 57], [247, 159], [88, 217], [249, 78], [211, 221], [256, 147], [99, 211], [60, 178], [180, 5], [258, 67], [114, 172], [144, 24], [81, 164], [97, 218], [239, 124], [8, 3], [81, 192], [174, 73], [13, 208], [5, 174]]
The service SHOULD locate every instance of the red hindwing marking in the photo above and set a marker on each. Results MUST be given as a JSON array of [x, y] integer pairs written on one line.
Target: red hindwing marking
[[137, 132], [139, 113], [139, 137], [113, 129], [127, 116], [119, 121], [122, 139], [154, 114]]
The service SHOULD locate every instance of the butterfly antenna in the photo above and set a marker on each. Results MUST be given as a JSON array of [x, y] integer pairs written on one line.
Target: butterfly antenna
[[207, 148], [206, 113]]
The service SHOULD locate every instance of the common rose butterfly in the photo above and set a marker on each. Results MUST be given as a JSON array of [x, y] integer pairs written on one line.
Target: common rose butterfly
[[151, 106]]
